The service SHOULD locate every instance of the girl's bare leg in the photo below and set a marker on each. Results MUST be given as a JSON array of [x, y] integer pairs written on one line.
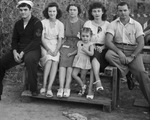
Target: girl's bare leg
[[62, 76], [68, 77], [53, 72], [47, 68]]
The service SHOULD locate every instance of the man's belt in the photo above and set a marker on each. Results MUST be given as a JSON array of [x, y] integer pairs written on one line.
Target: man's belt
[[125, 44]]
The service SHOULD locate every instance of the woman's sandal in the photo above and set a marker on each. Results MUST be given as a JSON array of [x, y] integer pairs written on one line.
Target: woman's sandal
[[90, 97], [49, 93], [43, 91], [81, 92], [99, 87], [66, 92], [60, 92]]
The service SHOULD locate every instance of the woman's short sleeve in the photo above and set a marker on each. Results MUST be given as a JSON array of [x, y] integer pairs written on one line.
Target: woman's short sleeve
[[44, 26], [87, 24], [61, 30]]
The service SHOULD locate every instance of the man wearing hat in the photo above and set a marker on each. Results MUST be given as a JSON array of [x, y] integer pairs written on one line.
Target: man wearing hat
[[26, 40]]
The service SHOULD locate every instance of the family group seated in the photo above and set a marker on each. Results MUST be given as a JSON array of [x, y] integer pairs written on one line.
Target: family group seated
[[73, 46]]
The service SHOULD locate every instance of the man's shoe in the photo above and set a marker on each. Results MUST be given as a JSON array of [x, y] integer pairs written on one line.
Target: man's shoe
[[130, 82]]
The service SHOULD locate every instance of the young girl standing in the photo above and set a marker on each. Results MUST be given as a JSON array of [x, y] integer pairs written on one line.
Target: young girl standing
[[82, 60]]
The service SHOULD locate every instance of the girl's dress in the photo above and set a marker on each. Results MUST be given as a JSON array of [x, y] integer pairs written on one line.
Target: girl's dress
[[82, 60], [98, 38], [51, 36], [70, 44]]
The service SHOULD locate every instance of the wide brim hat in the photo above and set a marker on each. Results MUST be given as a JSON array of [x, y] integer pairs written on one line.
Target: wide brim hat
[[25, 1]]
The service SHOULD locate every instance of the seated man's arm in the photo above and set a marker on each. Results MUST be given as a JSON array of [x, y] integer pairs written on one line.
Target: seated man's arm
[[15, 39], [111, 45], [139, 36], [14, 44], [140, 45]]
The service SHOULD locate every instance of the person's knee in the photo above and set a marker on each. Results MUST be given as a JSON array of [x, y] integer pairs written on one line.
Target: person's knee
[[74, 74], [83, 76], [69, 72], [108, 55], [30, 60]]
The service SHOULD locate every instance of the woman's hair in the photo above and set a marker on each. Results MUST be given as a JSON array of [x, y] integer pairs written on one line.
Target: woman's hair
[[94, 6], [86, 30], [76, 5], [24, 5], [52, 4]]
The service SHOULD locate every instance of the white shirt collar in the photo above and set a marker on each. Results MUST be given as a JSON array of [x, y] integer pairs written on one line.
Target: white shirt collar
[[131, 21]]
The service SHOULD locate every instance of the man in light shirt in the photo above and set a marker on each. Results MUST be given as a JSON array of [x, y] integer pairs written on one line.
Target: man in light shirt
[[125, 40]]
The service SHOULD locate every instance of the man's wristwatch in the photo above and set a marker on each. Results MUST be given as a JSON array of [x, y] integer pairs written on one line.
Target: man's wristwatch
[[133, 56]]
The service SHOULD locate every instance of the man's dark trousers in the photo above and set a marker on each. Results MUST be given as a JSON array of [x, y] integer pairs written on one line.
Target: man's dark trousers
[[30, 59]]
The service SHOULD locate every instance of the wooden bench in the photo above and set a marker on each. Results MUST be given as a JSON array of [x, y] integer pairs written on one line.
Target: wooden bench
[[108, 99], [146, 58], [110, 76]]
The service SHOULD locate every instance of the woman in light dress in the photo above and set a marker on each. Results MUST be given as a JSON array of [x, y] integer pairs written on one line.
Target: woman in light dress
[[53, 32], [98, 24]]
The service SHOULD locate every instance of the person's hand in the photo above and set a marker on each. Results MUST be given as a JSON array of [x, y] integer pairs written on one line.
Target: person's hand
[[69, 54], [50, 52], [17, 57], [99, 49], [84, 49], [55, 53], [122, 57], [129, 59], [21, 54]]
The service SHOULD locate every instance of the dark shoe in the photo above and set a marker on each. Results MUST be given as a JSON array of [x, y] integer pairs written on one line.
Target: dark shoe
[[0, 97], [130, 82], [34, 93]]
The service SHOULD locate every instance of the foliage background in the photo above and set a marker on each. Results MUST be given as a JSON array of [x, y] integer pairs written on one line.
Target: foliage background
[[9, 14]]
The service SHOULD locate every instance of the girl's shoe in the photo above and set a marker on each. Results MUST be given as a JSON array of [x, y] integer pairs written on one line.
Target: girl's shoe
[[49, 93], [60, 92], [99, 87], [81, 92], [66, 92], [43, 91], [90, 97]]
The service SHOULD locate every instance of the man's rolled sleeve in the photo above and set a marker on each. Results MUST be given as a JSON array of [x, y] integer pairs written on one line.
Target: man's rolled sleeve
[[111, 28], [139, 30]]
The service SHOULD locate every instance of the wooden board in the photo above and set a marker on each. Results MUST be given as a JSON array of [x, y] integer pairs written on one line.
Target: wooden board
[[75, 98], [141, 103]]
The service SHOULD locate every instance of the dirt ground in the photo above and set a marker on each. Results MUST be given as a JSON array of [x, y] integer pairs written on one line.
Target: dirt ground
[[15, 107]]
